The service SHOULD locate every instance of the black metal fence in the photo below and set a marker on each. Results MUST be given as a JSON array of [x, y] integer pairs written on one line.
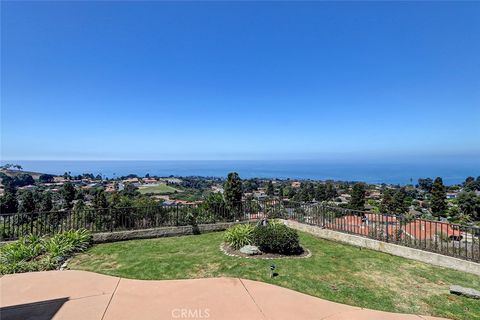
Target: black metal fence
[[455, 240], [13, 226], [445, 238]]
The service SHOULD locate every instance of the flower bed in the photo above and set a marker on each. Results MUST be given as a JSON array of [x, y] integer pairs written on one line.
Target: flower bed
[[268, 239]]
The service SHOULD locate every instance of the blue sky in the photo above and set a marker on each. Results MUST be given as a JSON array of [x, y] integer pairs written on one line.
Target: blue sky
[[219, 80]]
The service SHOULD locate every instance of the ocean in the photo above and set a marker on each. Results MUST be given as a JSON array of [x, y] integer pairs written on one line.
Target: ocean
[[372, 172]]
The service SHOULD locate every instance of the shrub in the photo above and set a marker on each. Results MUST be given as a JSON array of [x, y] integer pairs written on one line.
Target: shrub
[[33, 253], [277, 238], [239, 235]]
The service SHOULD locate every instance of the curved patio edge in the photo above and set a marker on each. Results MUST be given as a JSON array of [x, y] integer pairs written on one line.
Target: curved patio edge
[[76, 294]]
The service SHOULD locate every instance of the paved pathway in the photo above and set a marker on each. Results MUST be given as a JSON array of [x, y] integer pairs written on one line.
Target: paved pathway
[[85, 295]]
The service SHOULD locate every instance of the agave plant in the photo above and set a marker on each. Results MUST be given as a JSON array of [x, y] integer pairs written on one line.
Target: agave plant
[[239, 235]]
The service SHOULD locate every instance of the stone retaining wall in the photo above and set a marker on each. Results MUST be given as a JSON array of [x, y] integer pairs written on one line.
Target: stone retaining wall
[[394, 249], [159, 232]]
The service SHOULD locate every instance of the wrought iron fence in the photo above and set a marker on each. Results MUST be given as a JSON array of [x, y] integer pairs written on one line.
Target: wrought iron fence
[[445, 238], [455, 240], [13, 226]]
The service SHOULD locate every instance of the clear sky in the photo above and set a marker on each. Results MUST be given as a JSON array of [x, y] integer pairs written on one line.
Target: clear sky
[[220, 80]]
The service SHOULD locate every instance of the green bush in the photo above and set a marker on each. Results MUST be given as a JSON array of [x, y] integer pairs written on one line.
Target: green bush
[[33, 253], [277, 238], [239, 235]]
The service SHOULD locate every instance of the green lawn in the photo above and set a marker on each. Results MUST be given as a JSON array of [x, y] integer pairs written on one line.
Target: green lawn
[[161, 188], [336, 272]]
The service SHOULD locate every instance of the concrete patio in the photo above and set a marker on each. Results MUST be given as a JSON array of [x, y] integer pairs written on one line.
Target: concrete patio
[[86, 295]]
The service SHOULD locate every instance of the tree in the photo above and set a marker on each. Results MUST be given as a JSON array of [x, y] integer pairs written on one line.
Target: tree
[[233, 190], [471, 184], [46, 204], [79, 207], [357, 201], [388, 204], [270, 191], [439, 198], [307, 192], [469, 204], [23, 180], [68, 193], [399, 202], [280, 192], [250, 185], [321, 192], [130, 190], [100, 200], [11, 166], [331, 191], [8, 183], [27, 202], [425, 184], [8, 203], [46, 178], [291, 193]]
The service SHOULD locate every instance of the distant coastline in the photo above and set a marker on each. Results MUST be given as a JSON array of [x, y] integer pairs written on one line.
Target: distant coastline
[[370, 172]]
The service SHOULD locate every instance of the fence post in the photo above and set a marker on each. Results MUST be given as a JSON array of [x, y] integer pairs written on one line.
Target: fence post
[[176, 214], [31, 223], [111, 219]]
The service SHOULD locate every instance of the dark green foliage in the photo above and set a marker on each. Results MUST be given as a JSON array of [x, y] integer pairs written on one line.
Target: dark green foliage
[[270, 191], [439, 198], [394, 202], [472, 184], [357, 201], [21, 180], [213, 206], [277, 238], [130, 190], [425, 184], [8, 203], [46, 203], [291, 193], [250, 185], [68, 194], [387, 205], [469, 204], [46, 178], [306, 193], [233, 191], [27, 202], [100, 200], [331, 192], [321, 192], [399, 200], [280, 192]]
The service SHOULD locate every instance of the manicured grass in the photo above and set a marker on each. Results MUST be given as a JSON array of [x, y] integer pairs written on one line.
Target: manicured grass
[[161, 188], [336, 272]]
